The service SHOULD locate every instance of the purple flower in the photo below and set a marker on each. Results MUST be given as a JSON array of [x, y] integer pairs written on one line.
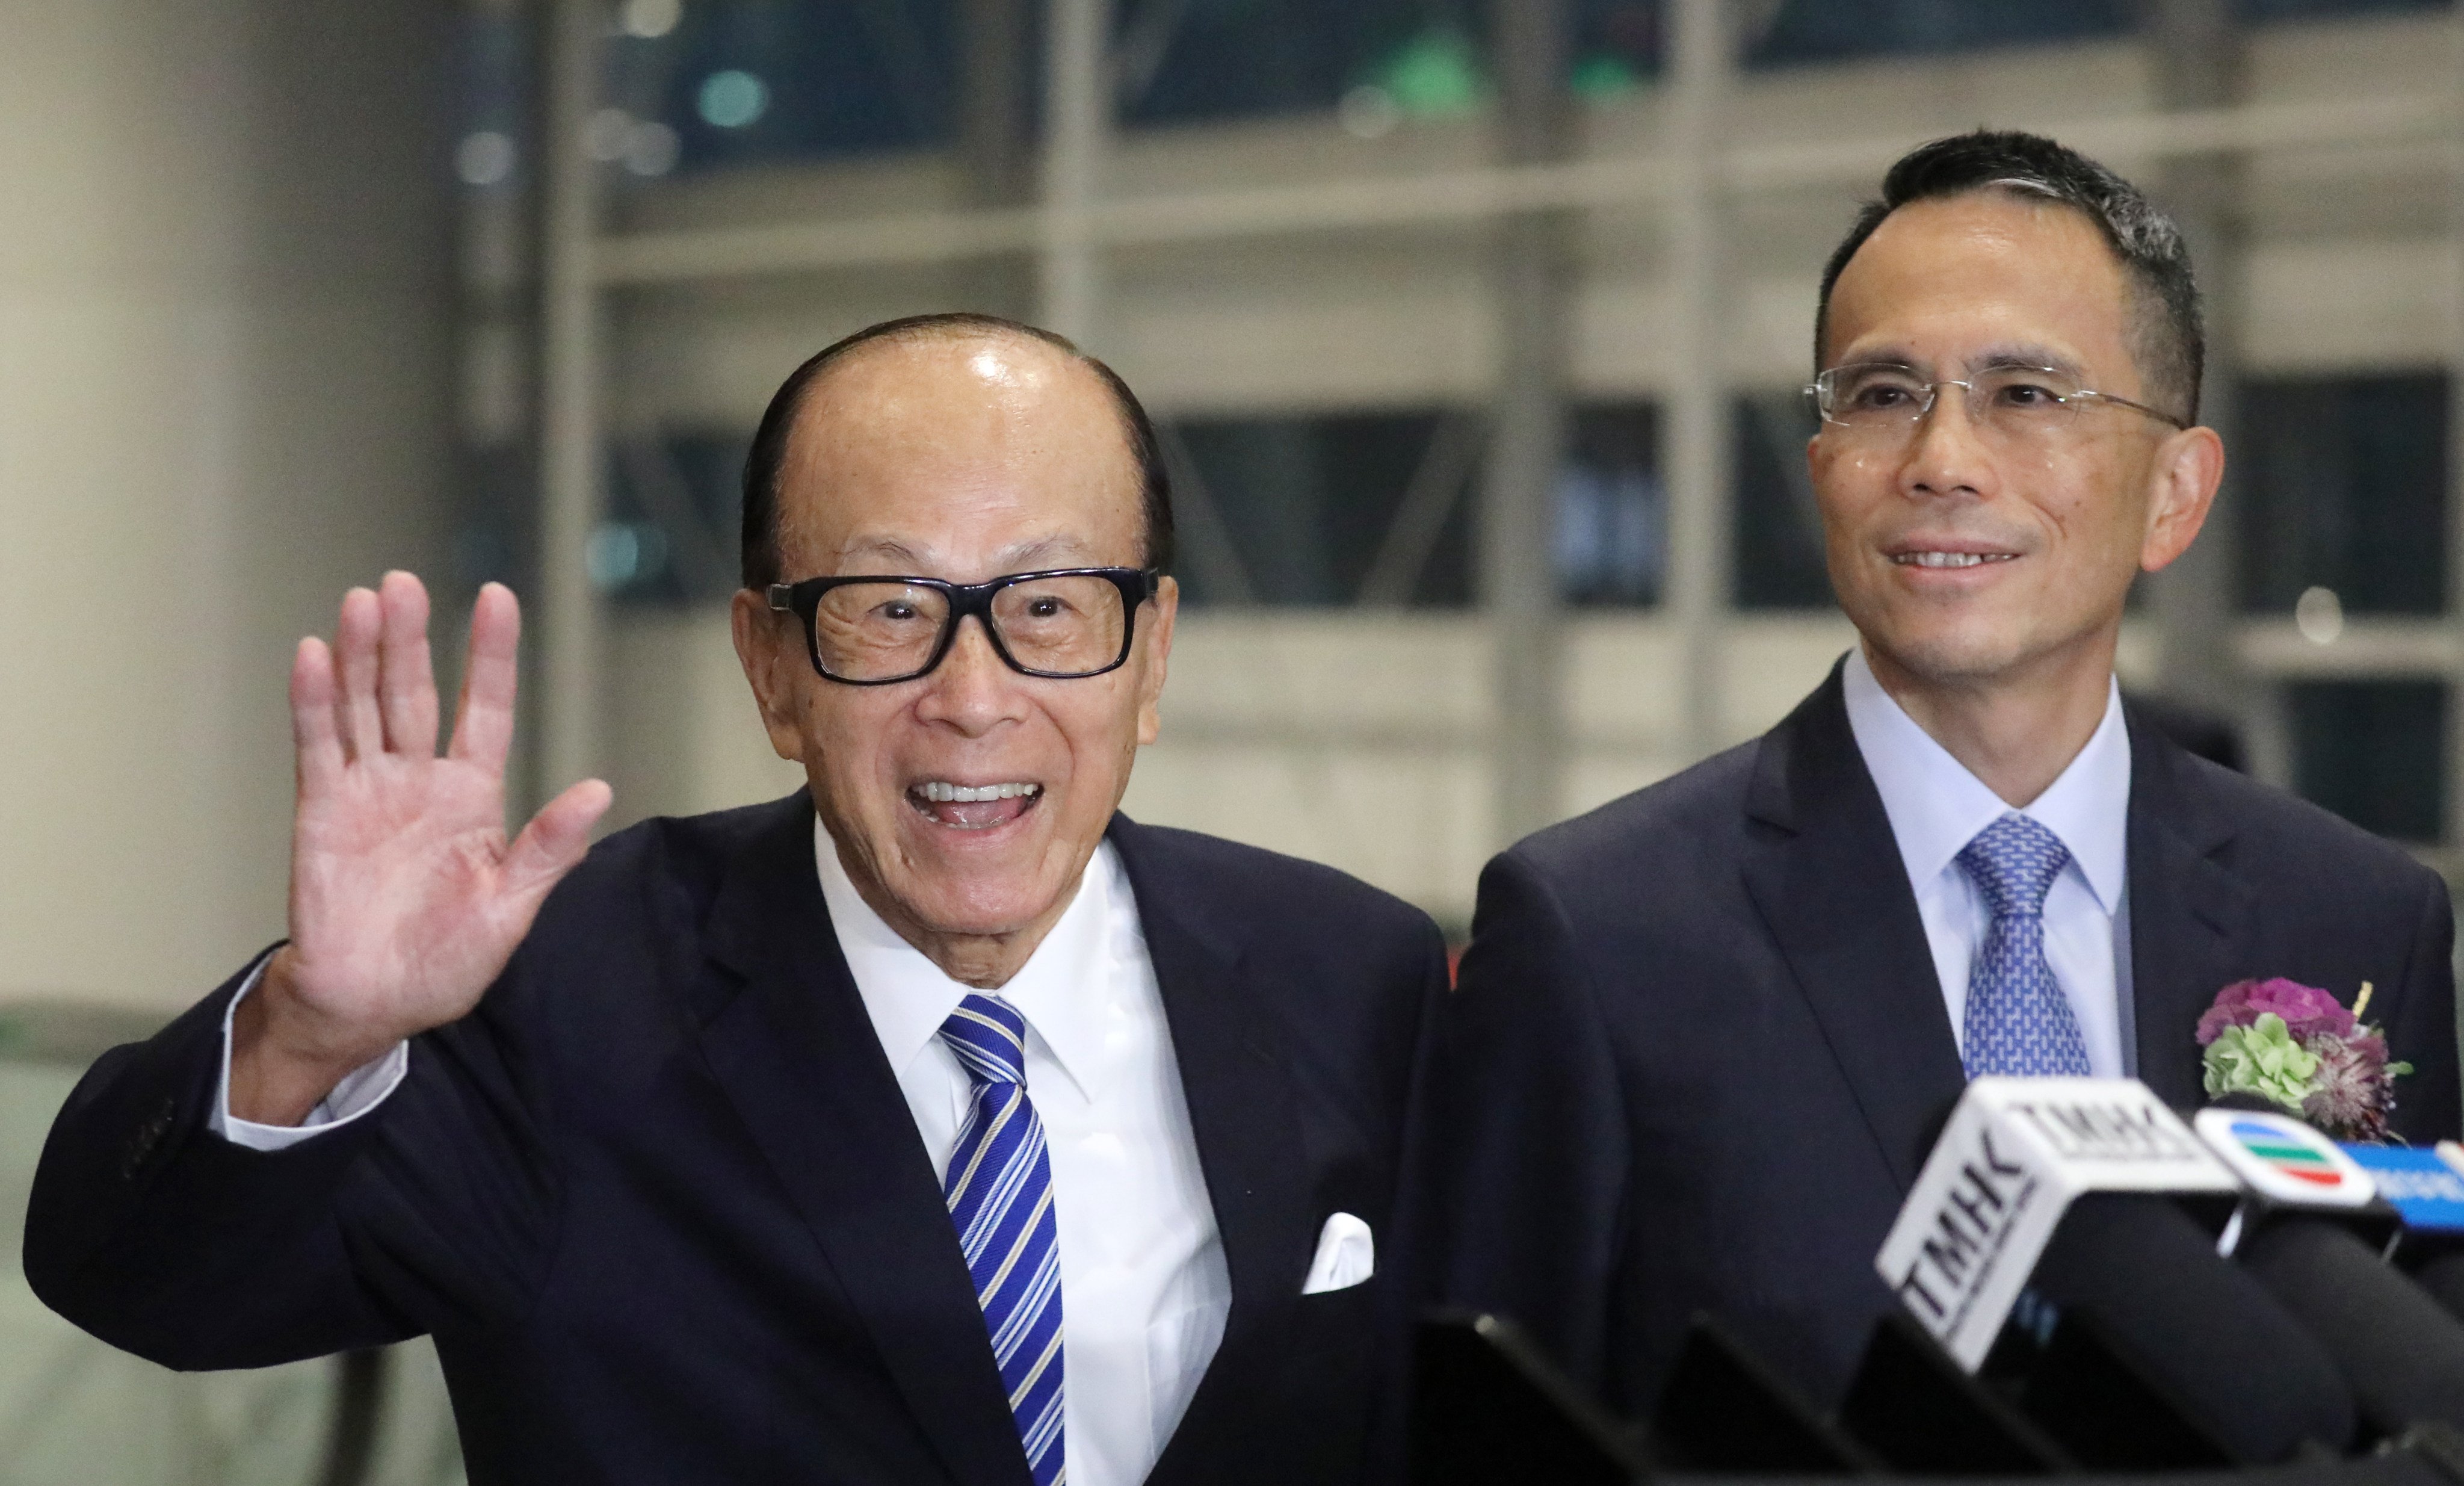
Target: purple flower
[[2308, 1011], [2353, 1090]]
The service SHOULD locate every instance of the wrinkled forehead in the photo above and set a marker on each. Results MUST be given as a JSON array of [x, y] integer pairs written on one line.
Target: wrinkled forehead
[[955, 446]]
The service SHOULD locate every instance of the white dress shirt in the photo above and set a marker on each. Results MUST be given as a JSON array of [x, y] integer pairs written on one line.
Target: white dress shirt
[[1144, 1287], [1144, 1290], [1936, 806], [364, 1090]]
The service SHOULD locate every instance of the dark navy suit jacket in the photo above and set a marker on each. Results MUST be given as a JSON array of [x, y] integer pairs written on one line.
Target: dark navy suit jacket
[[1700, 1046], [663, 1208]]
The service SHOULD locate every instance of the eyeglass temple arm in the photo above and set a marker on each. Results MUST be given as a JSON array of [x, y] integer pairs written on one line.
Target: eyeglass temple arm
[[778, 595]]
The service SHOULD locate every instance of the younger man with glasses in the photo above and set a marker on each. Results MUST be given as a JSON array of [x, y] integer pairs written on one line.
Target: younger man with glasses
[[1704, 1032], [935, 1124]]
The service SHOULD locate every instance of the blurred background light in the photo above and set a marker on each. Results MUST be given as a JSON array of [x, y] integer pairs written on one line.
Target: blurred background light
[[733, 99], [2319, 615], [485, 157], [649, 20]]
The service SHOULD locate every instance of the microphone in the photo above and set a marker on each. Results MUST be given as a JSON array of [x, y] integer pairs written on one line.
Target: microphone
[[1486, 1406], [2160, 1355], [1914, 1408], [2138, 1348], [2426, 1187], [2315, 1234]]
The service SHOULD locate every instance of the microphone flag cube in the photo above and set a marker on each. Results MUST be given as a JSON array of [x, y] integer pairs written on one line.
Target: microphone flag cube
[[2284, 1160], [2422, 1185], [2015, 1155]]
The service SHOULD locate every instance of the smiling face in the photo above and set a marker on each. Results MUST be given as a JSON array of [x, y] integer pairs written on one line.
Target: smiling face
[[966, 803], [1969, 560]]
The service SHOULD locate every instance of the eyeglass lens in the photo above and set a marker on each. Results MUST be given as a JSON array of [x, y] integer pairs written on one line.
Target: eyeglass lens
[[1064, 626], [2015, 401]]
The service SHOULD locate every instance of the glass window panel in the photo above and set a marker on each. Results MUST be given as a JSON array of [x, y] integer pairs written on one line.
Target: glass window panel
[[1612, 507], [2344, 486], [1826, 31], [1614, 46], [1779, 561], [745, 81], [496, 526], [494, 64], [1305, 503], [1189, 60], [2374, 752], [674, 510], [2261, 11]]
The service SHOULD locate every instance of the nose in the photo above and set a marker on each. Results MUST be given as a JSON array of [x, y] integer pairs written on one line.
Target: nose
[[972, 691], [1946, 455]]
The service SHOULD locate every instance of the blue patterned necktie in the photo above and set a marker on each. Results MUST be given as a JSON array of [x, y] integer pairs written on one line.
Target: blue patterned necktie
[[2018, 1021], [999, 1191]]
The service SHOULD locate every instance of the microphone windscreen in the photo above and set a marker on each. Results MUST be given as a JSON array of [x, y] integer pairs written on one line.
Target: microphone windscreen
[[2207, 1334], [2402, 1355], [2443, 1278]]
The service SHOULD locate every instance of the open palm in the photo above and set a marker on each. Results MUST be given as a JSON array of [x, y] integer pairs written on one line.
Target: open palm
[[406, 897]]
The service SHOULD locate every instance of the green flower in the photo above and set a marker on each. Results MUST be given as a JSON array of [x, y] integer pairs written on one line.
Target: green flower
[[2261, 1060]]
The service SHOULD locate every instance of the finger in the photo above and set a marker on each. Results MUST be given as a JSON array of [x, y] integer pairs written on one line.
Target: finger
[[405, 680], [483, 727], [355, 661], [318, 747], [556, 838]]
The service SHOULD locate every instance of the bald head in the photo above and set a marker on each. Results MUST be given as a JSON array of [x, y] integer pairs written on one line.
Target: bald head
[[970, 399]]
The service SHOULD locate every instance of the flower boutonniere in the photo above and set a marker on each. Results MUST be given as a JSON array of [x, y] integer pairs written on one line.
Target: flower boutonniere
[[2297, 1047]]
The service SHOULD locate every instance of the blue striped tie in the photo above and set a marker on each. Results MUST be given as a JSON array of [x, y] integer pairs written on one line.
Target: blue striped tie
[[2018, 1021], [999, 1191]]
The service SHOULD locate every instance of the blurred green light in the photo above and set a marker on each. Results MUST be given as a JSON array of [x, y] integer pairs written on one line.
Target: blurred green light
[[1436, 72], [1602, 75], [733, 99]]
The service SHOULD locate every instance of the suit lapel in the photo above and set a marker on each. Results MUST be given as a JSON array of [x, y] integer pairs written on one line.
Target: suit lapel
[[1827, 878], [1235, 1076], [796, 1053], [2189, 914]]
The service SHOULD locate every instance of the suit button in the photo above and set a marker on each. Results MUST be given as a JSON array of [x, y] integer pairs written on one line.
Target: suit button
[[148, 1137]]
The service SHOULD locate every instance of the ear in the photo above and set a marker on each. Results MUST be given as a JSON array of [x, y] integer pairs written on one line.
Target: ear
[[1157, 659], [2182, 480], [768, 645]]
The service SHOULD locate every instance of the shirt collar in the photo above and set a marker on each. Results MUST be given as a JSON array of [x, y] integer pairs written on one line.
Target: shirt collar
[[1058, 991], [1936, 806]]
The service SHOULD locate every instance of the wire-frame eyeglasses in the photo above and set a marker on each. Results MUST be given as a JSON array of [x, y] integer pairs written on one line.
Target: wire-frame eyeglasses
[[1887, 399]]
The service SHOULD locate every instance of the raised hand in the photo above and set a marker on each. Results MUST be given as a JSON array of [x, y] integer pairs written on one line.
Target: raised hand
[[407, 900]]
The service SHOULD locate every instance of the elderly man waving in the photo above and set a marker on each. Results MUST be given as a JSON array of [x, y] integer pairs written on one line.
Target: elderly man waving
[[935, 1124]]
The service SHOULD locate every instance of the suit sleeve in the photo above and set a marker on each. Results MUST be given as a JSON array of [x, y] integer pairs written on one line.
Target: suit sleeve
[[168, 1240], [2421, 1025], [1526, 1152]]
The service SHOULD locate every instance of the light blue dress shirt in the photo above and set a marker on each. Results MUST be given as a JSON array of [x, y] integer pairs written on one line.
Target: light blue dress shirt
[[1936, 806]]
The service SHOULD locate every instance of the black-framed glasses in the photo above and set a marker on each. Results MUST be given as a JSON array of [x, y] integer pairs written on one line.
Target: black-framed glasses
[[1887, 399], [1061, 624]]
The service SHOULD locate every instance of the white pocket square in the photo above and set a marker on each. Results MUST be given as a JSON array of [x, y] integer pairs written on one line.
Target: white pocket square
[[1345, 1256]]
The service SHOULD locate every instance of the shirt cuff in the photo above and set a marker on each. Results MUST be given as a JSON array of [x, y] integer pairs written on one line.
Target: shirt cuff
[[363, 1089]]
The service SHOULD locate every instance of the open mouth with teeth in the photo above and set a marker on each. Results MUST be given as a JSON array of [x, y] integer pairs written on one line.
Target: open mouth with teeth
[[1949, 558], [973, 807]]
